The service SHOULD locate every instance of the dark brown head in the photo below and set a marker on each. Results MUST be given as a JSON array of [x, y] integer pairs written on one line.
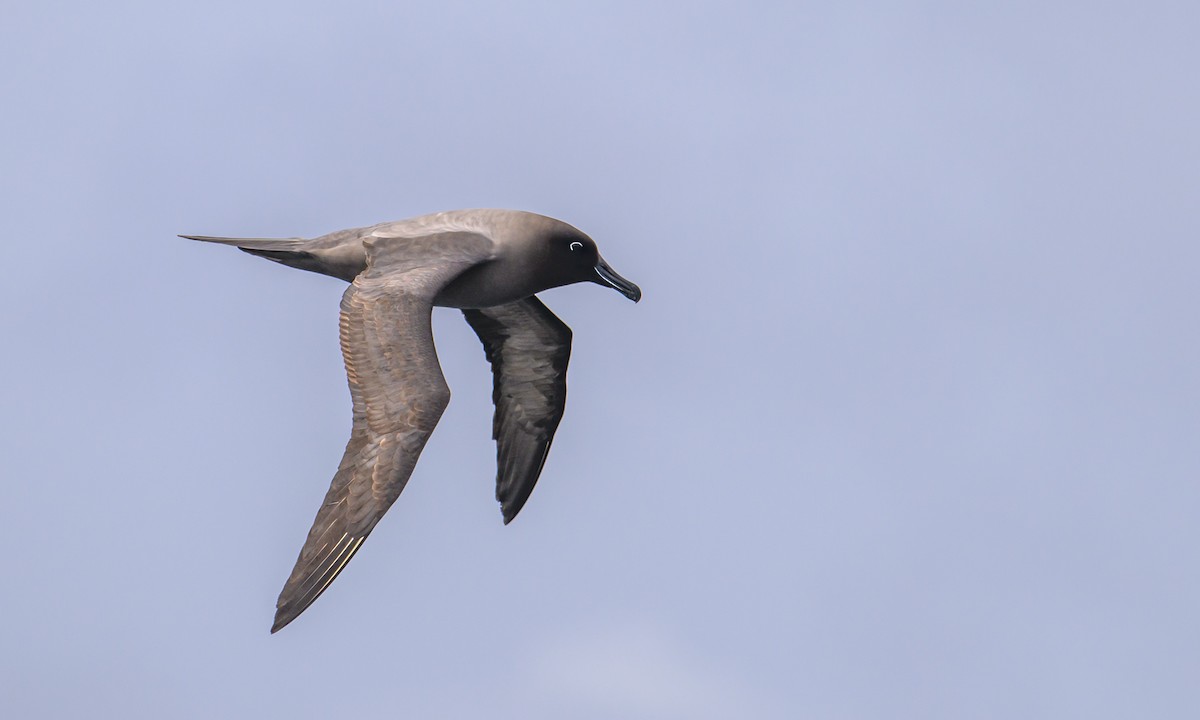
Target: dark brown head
[[569, 256]]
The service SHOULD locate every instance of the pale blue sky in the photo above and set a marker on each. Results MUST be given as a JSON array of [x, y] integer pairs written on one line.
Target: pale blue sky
[[905, 427]]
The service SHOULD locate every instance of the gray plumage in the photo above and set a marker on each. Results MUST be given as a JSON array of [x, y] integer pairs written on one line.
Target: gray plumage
[[489, 263]]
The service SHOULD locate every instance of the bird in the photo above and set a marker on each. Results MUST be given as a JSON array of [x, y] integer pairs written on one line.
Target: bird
[[490, 264]]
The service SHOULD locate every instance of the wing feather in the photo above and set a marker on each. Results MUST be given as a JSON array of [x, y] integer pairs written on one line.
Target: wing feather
[[528, 348], [398, 394]]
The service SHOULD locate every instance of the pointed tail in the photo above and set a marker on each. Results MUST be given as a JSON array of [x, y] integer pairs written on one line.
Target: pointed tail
[[285, 251], [275, 244]]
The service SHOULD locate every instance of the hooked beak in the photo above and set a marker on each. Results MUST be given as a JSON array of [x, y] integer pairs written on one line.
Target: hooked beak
[[608, 276]]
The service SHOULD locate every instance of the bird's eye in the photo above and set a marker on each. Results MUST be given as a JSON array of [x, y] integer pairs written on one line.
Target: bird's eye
[[576, 246]]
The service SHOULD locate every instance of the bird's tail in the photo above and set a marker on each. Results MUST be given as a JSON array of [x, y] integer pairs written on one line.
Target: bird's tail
[[288, 251], [248, 244]]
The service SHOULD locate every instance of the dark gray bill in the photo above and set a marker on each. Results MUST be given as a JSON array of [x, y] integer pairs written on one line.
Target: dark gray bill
[[623, 286]]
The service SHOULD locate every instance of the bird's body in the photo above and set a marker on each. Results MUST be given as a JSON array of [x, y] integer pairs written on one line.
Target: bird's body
[[489, 263], [504, 256]]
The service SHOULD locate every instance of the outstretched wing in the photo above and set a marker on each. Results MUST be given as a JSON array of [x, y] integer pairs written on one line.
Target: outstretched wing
[[528, 347], [399, 394]]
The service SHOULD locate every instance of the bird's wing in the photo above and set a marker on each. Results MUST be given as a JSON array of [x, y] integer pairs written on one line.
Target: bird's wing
[[398, 392], [528, 347]]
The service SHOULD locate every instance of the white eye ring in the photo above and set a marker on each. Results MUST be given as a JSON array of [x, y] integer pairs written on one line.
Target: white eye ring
[[576, 246]]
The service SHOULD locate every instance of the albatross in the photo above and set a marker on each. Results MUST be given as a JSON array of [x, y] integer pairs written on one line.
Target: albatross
[[487, 263]]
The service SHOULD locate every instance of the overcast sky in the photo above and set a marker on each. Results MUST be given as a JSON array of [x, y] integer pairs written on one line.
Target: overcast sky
[[906, 425]]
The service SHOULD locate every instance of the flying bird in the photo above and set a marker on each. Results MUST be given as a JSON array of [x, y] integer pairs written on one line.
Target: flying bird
[[489, 264]]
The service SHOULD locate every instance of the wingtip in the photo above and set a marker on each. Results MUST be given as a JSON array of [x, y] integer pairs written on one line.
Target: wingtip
[[281, 621], [511, 506], [284, 615]]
